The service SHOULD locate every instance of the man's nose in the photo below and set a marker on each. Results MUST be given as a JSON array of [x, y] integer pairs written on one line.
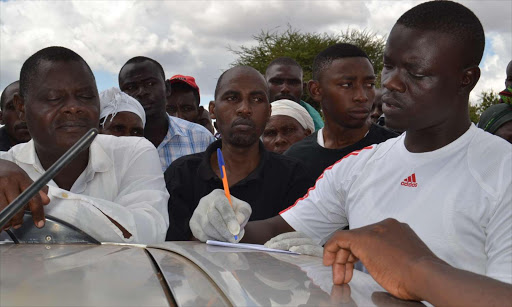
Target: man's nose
[[140, 92], [72, 105], [361, 94], [391, 80], [280, 140], [244, 108]]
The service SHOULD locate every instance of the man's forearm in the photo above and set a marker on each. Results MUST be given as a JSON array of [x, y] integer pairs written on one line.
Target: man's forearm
[[259, 232], [443, 285]]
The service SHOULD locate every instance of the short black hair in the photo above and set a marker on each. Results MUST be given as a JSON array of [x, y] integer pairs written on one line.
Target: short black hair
[[450, 18], [3, 98], [51, 54], [246, 67], [140, 59], [335, 52], [181, 86], [283, 61]]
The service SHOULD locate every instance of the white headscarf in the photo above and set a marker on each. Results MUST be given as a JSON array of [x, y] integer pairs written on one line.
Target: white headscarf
[[294, 110], [113, 101]]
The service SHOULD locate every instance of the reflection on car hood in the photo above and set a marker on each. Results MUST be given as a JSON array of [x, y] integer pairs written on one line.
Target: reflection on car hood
[[181, 273]]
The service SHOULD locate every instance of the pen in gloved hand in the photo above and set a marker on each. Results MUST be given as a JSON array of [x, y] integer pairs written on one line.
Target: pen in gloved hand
[[224, 177]]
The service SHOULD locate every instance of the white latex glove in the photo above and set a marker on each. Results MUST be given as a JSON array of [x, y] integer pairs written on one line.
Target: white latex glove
[[214, 219], [296, 242]]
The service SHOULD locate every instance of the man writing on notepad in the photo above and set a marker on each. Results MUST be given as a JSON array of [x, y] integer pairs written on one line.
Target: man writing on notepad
[[268, 181], [447, 179]]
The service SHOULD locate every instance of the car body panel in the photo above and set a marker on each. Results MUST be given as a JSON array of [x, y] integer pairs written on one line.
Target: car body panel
[[181, 273], [189, 285], [254, 278], [78, 275]]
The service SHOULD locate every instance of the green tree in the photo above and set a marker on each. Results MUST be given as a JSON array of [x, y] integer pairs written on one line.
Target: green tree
[[486, 99], [304, 46]]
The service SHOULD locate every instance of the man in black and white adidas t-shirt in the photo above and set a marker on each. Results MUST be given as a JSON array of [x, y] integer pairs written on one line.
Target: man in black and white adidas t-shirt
[[458, 199]]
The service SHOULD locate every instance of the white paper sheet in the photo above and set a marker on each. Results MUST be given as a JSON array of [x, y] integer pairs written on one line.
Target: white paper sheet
[[257, 247]]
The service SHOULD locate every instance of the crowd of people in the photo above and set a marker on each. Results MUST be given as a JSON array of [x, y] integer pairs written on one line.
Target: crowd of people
[[333, 186]]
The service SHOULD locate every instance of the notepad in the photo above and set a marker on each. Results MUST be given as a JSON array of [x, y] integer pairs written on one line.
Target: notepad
[[257, 247]]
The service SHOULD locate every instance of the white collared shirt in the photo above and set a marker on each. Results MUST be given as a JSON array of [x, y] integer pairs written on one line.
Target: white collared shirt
[[122, 180]]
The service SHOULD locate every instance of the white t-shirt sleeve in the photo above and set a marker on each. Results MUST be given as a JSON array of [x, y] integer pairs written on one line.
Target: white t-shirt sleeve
[[140, 205], [321, 212], [498, 245]]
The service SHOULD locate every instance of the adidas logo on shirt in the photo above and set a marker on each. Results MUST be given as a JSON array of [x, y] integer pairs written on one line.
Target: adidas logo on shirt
[[410, 181]]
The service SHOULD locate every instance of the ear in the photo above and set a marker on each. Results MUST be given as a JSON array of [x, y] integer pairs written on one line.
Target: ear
[[1, 118], [470, 78], [211, 108], [307, 132], [314, 90], [19, 105]]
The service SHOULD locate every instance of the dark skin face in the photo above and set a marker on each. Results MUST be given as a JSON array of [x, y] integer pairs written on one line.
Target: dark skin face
[[376, 111], [183, 104], [123, 124], [508, 81], [144, 82], [505, 131], [284, 82], [17, 130], [60, 106], [346, 91], [426, 87], [281, 132], [205, 120], [241, 107]]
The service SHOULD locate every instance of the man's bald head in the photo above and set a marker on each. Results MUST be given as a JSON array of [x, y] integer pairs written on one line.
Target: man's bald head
[[241, 106], [237, 71]]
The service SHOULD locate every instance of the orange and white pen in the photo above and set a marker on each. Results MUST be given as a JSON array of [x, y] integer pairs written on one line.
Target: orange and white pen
[[224, 177]]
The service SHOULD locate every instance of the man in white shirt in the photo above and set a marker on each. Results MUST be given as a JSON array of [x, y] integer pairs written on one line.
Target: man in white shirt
[[448, 180], [114, 191]]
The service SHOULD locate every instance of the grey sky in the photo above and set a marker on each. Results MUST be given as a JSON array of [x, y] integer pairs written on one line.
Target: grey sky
[[191, 37]]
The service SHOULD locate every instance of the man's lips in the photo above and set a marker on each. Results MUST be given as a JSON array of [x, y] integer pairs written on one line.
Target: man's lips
[[243, 124], [360, 113], [21, 126], [72, 126], [391, 102], [146, 104]]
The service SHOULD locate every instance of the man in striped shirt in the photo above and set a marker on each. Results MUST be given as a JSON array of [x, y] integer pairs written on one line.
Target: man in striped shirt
[[144, 79]]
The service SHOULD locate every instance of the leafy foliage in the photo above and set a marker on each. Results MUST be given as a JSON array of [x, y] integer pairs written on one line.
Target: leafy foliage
[[304, 46], [486, 99]]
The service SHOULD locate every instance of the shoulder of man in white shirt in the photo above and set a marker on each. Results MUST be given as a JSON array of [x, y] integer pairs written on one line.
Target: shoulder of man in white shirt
[[133, 161], [490, 161], [124, 146]]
